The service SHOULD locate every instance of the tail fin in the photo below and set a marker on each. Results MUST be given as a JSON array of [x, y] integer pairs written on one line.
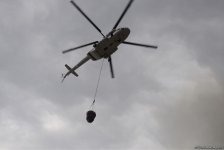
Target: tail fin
[[71, 71]]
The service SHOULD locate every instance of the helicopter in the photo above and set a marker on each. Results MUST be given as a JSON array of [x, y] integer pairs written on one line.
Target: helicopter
[[107, 46]]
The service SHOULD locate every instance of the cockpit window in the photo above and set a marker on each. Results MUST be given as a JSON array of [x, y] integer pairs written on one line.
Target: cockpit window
[[112, 32]]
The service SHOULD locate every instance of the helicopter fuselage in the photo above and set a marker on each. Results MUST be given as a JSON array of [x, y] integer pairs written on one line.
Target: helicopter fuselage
[[108, 45]]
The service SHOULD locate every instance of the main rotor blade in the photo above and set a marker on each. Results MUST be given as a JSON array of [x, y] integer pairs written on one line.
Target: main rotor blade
[[123, 13], [72, 49], [138, 44], [80, 10], [111, 67]]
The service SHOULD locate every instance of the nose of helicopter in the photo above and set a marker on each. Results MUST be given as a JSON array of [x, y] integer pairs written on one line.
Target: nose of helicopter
[[126, 32]]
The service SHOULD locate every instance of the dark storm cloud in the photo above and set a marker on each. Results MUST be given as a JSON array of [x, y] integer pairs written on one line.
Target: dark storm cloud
[[170, 98]]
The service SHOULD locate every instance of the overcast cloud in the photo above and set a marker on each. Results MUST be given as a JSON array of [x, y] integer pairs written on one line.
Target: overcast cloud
[[171, 98]]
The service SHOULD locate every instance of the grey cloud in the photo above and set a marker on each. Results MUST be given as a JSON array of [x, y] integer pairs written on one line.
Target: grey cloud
[[170, 98]]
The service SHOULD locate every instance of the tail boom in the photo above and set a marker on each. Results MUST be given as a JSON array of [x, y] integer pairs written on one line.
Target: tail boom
[[72, 70]]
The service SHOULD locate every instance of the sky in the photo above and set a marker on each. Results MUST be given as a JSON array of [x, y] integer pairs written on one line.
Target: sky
[[171, 98]]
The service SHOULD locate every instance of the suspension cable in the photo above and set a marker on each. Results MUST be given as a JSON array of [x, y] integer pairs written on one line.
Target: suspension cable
[[98, 81]]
